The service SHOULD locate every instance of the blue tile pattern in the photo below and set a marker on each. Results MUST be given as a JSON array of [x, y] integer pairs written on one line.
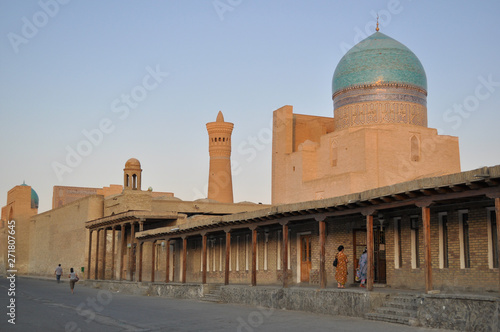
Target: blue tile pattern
[[378, 59]]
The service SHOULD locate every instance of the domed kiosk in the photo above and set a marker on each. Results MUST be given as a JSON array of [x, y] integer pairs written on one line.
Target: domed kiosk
[[377, 137], [132, 174]]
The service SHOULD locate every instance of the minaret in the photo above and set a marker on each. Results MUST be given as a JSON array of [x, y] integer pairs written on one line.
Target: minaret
[[220, 183]]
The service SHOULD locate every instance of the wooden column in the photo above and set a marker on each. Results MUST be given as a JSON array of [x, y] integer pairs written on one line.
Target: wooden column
[[322, 259], [204, 258], [131, 256], [153, 252], [284, 254], [254, 256], [89, 263], [104, 243], [113, 253], [228, 255], [122, 249], [497, 215], [369, 244], [167, 261], [426, 218], [184, 256], [140, 262], [96, 267]]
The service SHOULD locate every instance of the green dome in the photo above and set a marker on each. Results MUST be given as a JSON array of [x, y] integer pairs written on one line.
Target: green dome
[[34, 197], [378, 59]]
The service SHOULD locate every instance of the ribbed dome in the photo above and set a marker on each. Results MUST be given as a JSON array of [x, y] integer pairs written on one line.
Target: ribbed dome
[[378, 60]]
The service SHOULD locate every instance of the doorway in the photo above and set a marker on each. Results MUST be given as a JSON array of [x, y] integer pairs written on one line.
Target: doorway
[[305, 257], [359, 246], [379, 249], [379, 255], [133, 258]]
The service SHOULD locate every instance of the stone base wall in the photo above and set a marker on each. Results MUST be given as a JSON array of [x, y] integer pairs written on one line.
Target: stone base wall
[[440, 311], [323, 301], [459, 312], [179, 291]]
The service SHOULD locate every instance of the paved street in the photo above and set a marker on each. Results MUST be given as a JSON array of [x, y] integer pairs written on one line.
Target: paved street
[[43, 305]]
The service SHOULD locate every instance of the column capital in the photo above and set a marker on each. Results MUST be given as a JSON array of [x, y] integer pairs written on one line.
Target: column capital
[[284, 222], [320, 217], [424, 202], [368, 211]]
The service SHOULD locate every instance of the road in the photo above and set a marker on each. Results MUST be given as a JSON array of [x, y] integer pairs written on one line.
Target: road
[[44, 305]]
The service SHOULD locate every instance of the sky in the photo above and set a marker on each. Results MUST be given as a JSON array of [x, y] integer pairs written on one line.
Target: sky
[[86, 85]]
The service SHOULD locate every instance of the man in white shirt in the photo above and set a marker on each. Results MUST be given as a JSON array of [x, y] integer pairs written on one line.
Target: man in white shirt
[[58, 272]]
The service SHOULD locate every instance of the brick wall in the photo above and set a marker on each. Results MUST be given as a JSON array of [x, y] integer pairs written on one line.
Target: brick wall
[[340, 231]]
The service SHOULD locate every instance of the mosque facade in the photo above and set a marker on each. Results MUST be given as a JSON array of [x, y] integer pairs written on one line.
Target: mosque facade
[[377, 137]]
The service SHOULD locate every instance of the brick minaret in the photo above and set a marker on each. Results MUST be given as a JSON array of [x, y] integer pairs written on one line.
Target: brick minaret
[[220, 183]]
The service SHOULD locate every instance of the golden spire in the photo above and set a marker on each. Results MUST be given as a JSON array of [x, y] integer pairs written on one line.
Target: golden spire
[[377, 29]]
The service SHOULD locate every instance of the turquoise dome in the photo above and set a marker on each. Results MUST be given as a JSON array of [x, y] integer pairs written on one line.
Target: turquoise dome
[[34, 197], [378, 59]]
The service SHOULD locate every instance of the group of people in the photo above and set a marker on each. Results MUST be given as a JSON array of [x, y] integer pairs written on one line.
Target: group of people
[[341, 268], [73, 277]]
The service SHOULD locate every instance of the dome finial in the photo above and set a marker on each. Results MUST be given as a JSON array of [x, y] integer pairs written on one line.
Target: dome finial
[[377, 29]]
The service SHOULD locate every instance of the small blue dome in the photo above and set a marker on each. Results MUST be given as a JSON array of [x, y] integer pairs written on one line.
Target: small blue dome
[[34, 197], [378, 59]]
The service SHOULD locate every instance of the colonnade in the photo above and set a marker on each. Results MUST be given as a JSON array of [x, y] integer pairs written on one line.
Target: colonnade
[[99, 254], [99, 267]]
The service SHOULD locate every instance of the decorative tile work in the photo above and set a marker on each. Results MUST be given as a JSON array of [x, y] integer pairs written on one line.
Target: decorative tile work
[[378, 59], [380, 93], [380, 112]]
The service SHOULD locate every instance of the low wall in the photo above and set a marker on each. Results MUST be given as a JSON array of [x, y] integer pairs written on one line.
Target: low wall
[[459, 312], [323, 301], [173, 290], [440, 311]]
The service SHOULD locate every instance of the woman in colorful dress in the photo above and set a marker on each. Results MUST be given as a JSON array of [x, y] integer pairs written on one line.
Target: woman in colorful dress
[[341, 271]]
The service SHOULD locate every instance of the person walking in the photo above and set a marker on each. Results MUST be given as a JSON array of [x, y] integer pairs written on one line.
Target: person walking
[[341, 271], [363, 265], [73, 278], [58, 272]]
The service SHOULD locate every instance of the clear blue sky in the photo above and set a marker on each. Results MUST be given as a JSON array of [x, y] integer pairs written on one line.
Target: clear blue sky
[[67, 68]]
